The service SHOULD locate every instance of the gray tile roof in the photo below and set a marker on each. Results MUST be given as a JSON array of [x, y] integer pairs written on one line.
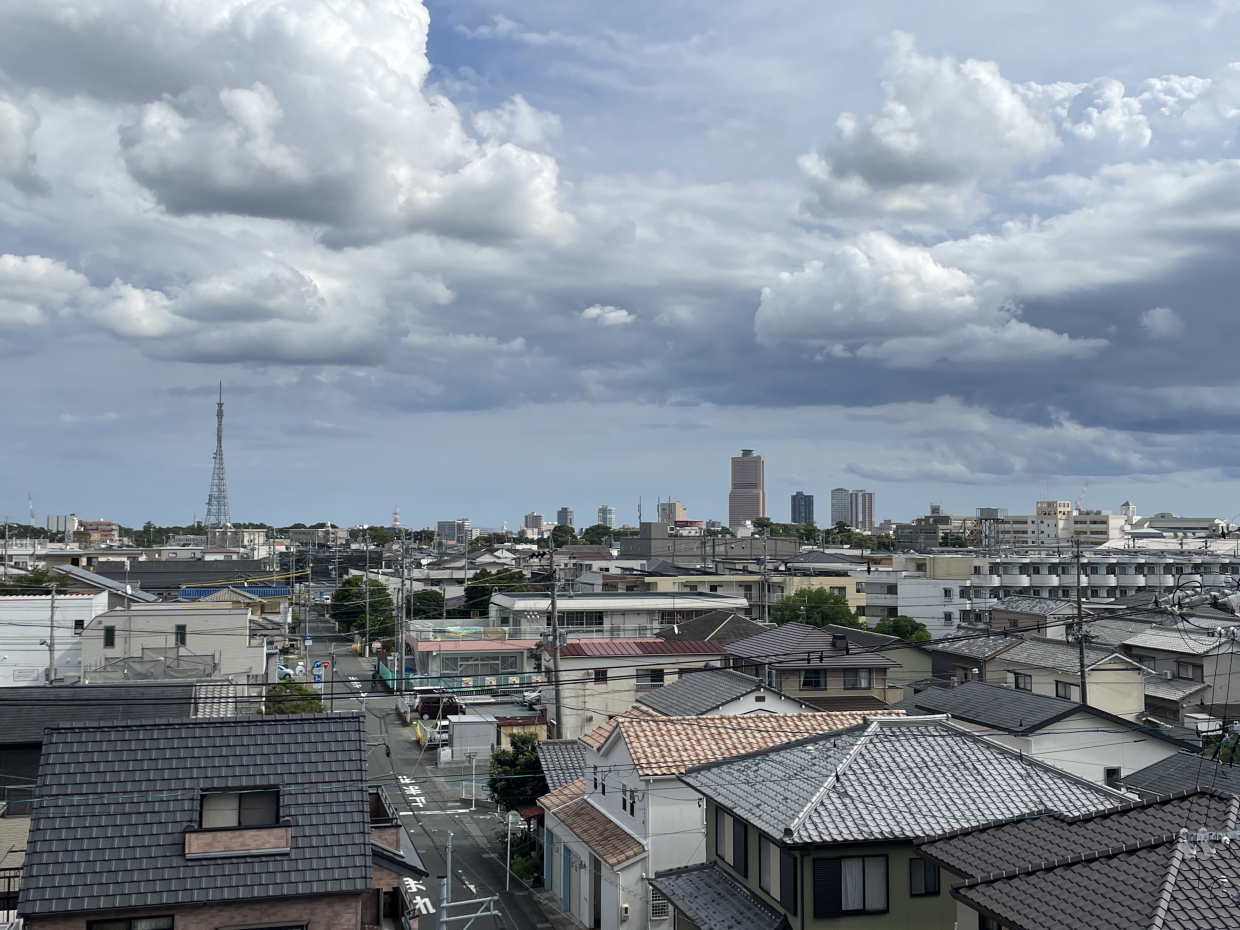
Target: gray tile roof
[[712, 900], [563, 761], [890, 778], [701, 692], [1043, 606], [26, 712], [1170, 639], [1172, 689], [798, 645], [975, 647], [1059, 654], [116, 799], [1113, 870], [1184, 772], [718, 626]]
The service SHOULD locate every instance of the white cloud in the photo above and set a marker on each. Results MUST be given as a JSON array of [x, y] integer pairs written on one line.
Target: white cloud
[[273, 291], [1110, 115], [18, 123], [517, 121], [608, 316], [944, 125], [1162, 323], [30, 284]]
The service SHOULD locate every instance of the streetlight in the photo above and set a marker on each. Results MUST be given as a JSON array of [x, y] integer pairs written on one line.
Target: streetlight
[[513, 817]]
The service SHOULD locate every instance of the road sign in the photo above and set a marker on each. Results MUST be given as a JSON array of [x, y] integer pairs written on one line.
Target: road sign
[[317, 665], [309, 641], [318, 676]]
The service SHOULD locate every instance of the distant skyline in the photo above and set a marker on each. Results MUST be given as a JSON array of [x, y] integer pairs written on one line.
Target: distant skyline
[[534, 255]]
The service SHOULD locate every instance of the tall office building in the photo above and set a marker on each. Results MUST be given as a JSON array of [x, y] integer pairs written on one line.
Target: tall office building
[[62, 523], [446, 530], [607, 516], [672, 511], [802, 507], [861, 510], [840, 511], [464, 530], [747, 499], [534, 521], [564, 517]]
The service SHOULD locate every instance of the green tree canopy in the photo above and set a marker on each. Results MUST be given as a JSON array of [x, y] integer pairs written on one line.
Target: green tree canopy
[[562, 535], [349, 606], [516, 775], [817, 607], [485, 583], [35, 581], [291, 697], [597, 535], [425, 603], [903, 627]]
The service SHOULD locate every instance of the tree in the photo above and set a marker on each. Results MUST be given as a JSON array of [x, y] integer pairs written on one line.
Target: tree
[[903, 627], [425, 603], [35, 581], [378, 536], [597, 535], [485, 583], [349, 606], [516, 776], [562, 535], [291, 697], [817, 607]]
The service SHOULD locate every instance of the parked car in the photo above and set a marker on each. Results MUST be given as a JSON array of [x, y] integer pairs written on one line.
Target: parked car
[[438, 706], [283, 673], [532, 699]]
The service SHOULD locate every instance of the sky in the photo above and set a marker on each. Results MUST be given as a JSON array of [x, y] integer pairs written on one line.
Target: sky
[[482, 258]]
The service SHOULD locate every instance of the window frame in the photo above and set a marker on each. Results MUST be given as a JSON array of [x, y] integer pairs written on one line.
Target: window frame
[[239, 793], [109, 637], [1018, 678], [829, 883], [925, 866], [857, 678], [820, 675], [600, 676], [115, 922], [180, 634], [1066, 686]]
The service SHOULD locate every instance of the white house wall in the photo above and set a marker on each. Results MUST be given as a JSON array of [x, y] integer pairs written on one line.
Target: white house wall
[[1117, 689], [25, 620]]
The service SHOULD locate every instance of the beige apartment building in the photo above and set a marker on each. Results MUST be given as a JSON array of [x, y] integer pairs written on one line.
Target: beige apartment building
[[1055, 522]]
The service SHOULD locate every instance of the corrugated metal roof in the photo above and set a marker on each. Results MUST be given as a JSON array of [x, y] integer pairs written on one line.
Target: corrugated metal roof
[[639, 647]]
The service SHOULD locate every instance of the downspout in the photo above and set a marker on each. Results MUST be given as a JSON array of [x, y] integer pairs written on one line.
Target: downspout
[[801, 889]]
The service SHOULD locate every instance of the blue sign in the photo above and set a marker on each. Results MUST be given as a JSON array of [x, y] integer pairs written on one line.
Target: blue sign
[[318, 665], [318, 677], [309, 640]]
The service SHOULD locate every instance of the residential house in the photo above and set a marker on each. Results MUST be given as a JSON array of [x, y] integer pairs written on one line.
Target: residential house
[[604, 614], [1183, 772], [489, 663], [149, 641], [629, 816], [1078, 738], [1142, 864], [214, 823], [82, 581], [717, 626], [1178, 702], [563, 761], [822, 668], [41, 636], [602, 678], [914, 661], [1188, 657], [1045, 616], [722, 692], [964, 658], [1114, 682], [822, 830]]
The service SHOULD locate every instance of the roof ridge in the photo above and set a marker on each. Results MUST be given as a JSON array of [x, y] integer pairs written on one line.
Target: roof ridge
[[1045, 865], [1163, 903]]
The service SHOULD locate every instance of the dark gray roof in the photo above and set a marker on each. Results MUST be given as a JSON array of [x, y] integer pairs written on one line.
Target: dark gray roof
[[116, 799], [27, 711], [860, 784], [563, 761], [867, 638], [1184, 772], [712, 900], [1044, 652], [718, 626], [1113, 870], [701, 692], [799, 645], [974, 647], [99, 581], [1114, 631], [1043, 606], [1007, 709]]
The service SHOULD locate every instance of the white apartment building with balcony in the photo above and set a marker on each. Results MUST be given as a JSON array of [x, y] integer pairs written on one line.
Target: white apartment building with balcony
[[1055, 522]]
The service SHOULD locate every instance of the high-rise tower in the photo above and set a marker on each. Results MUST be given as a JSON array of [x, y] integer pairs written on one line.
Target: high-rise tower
[[217, 499], [747, 499]]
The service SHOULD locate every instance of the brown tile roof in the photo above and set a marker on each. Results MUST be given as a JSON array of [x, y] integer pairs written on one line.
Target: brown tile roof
[[668, 745], [606, 838], [561, 796]]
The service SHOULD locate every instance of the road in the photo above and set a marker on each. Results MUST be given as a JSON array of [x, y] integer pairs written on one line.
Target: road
[[425, 799]]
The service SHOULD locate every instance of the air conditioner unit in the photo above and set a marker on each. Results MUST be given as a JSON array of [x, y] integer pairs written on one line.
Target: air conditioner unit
[[1166, 675]]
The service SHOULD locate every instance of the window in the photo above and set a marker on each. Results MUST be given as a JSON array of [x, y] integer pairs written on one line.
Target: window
[[1024, 682], [1066, 690], [109, 637], [722, 824], [225, 809], [1189, 672], [579, 618], [923, 878], [480, 664], [78, 626], [850, 886], [857, 679], [660, 907], [860, 587], [842, 592], [649, 677], [132, 923], [596, 778], [985, 923], [1112, 778], [1013, 623], [1093, 592], [947, 616], [813, 679], [893, 589], [690, 587], [600, 676], [180, 634], [777, 873], [731, 841], [947, 594], [714, 588]]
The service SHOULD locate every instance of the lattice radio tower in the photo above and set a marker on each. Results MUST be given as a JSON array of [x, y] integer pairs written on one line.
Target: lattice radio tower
[[217, 499]]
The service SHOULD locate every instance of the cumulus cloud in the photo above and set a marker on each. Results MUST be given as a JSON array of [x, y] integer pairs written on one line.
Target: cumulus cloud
[[1106, 113], [944, 125], [31, 284], [875, 297], [275, 292], [517, 121], [1162, 323], [608, 316], [18, 123]]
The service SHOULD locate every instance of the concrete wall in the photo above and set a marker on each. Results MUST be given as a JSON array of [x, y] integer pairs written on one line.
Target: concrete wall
[[24, 620], [217, 630], [336, 912]]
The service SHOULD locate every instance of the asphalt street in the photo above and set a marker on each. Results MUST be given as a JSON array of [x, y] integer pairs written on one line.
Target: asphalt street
[[426, 797]]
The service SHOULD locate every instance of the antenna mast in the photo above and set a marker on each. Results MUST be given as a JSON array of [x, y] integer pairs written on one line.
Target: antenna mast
[[217, 500]]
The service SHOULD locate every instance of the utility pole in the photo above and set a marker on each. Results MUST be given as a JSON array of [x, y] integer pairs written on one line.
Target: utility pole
[[555, 646], [1080, 622], [402, 612], [366, 542], [51, 642]]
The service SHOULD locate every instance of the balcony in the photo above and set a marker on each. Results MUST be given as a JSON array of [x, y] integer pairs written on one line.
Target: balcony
[[984, 581], [238, 841], [1016, 581]]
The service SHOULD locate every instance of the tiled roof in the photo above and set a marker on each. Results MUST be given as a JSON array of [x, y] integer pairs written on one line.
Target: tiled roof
[[77, 573], [713, 901], [890, 778], [1115, 870], [27, 711], [1042, 652], [606, 838], [638, 647], [116, 800], [563, 761], [1115, 631], [701, 692], [1172, 689], [565, 795], [1170, 639], [1033, 605], [1184, 772], [975, 647], [669, 745], [798, 645], [718, 626]]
